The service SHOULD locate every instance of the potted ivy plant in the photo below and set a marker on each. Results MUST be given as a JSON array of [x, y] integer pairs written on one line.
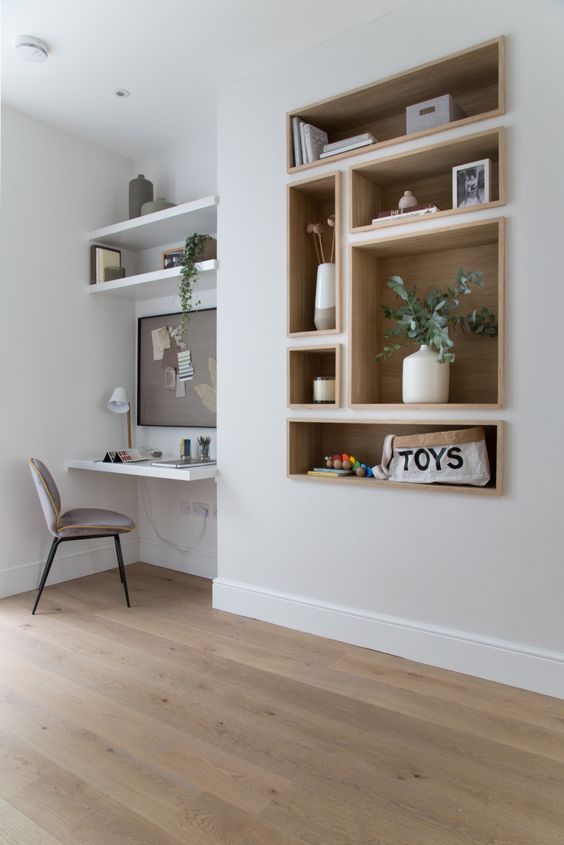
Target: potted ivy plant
[[194, 250], [427, 323]]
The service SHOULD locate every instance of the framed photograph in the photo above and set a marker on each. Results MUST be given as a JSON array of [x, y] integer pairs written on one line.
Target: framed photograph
[[173, 257], [471, 183], [102, 257], [176, 381]]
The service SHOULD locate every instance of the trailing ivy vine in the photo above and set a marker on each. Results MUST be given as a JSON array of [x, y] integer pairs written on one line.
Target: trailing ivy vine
[[193, 252]]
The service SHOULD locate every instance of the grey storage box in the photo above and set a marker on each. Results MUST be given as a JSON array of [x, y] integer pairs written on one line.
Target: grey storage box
[[431, 113]]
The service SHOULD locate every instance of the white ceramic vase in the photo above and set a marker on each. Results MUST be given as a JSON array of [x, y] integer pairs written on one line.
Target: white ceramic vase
[[325, 302], [424, 379], [407, 201]]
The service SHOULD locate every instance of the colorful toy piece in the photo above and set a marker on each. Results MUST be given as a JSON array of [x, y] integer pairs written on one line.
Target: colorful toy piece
[[348, 462]]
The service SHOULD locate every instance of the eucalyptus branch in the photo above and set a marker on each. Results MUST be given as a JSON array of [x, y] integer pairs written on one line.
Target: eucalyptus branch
[[428, 321]]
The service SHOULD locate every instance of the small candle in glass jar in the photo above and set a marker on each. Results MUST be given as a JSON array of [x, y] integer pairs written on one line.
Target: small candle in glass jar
[[324, 389]]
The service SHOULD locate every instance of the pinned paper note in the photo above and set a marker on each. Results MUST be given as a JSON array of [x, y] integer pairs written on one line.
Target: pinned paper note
[[185, 366], [161, 341], [180, 389], [169, 378]]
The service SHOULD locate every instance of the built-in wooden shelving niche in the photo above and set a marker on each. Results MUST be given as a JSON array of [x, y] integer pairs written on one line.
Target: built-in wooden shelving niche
[[311, 201], [304, 364], [427, 259], [473, 77], [309, 440], [427, 172]]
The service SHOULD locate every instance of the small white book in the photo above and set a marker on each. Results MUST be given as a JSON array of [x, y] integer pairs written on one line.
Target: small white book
[[315, 140], [297, 141], [365, 137], [347, 148], [407, 215], [305, 159]]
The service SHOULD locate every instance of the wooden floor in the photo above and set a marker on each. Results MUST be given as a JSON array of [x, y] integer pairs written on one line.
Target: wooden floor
[[173, 723]]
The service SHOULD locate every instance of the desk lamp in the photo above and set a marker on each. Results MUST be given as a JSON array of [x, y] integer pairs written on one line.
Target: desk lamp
[[119, 404]]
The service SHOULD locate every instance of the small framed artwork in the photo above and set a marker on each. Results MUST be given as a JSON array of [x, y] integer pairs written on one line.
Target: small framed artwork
[[173, 257], [471, 183], [102, 258]]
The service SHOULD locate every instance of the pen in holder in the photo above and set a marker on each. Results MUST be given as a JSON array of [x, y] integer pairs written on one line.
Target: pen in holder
[[204, 444]]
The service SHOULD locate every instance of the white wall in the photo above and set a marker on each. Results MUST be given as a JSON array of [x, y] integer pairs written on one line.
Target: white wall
[[62, 350], [180, 174], [184, 172], [470, 583]]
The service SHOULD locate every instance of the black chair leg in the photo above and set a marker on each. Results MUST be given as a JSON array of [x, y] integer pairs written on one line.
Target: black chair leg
[[121, 567], [52, 552]]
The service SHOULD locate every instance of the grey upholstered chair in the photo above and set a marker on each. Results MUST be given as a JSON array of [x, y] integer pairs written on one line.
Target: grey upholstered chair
[[76, 524]]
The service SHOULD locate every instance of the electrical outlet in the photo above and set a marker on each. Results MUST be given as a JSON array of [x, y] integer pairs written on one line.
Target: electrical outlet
[[214, 511], [201, 509], [185, 506]]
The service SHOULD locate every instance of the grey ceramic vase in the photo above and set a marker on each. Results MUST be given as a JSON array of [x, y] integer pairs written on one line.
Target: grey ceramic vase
[[156, 205], [140, 191]]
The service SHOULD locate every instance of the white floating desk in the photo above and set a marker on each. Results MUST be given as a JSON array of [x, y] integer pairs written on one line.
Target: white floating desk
[[144, 469]]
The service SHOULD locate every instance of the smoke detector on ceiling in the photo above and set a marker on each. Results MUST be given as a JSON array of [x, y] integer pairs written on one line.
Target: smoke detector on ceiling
[[30, 48]]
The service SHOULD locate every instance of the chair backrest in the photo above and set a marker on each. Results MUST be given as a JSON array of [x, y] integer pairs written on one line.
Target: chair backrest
[[47, 492]]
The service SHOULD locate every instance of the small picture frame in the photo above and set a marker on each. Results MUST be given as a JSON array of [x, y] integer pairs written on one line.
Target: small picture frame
[[471, 183], [102, 257], [173, 257]]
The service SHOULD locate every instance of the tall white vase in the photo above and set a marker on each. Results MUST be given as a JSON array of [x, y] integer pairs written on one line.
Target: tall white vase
[[424, 379], [325, 302]]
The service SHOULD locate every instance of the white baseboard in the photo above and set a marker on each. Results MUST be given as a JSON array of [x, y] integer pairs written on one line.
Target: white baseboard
[[73, 560], [195, 562], [503, 661]]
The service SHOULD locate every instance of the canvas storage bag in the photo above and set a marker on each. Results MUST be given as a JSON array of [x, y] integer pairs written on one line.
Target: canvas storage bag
[[444, 457]]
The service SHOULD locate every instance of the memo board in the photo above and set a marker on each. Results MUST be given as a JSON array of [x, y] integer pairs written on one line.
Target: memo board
[[160, 399]]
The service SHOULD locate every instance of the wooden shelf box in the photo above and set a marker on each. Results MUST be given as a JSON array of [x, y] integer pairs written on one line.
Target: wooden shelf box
[[427, 259], [427, 172], [473, 77], [304, 364], [311, 201], [310, 440]]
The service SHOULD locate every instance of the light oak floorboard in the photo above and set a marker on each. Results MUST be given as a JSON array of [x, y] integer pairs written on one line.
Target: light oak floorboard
[[171, 722]]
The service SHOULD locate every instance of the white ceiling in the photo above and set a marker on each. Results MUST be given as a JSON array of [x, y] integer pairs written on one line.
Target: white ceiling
[[172, 55]]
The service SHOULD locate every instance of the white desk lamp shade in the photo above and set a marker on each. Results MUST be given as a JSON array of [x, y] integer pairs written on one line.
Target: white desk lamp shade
[[119, 401], [119, 404]]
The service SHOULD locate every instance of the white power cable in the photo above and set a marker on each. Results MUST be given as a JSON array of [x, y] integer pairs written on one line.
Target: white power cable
[[147, 508]]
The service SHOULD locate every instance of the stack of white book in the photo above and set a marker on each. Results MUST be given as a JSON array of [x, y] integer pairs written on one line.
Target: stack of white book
[[309, 141], [348, 144]]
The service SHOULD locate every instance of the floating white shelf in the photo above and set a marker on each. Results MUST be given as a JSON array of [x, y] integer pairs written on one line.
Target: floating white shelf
[[150, 285], [144, 469], [163, 227]]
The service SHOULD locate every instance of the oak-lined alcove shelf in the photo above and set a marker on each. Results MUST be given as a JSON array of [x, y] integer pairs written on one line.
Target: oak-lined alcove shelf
[[311, 201], [152, 285], [304, 364], [473, 77], [427, 259], [309, 440], [172, 225], [427, 172]]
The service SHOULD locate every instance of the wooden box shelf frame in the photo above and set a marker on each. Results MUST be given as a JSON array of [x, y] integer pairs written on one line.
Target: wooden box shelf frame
[[473, 77], [304, 364], [312, 200], [427, 172], [427, 259], [309, 440]]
